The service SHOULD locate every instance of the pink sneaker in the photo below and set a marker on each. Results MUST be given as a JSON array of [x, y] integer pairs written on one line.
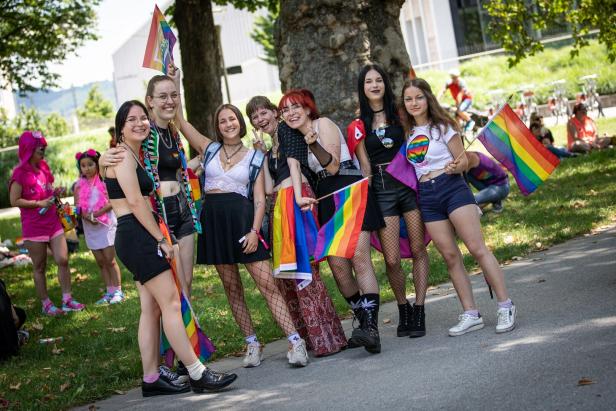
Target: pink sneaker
[[52, 311], [72, 305]]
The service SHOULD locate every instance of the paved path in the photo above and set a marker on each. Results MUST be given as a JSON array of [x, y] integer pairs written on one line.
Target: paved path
[[566, 332]]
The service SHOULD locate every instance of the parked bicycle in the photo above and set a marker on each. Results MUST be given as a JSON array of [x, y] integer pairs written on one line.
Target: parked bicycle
[[558, 104], [589, 95], [526, 105], [497, 99]]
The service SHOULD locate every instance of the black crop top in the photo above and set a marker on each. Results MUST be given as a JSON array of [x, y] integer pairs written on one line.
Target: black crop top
[[377, 152], [146, 185], [168, 158]]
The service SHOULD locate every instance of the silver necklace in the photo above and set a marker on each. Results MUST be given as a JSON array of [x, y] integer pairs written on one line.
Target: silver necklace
[[169, 145]]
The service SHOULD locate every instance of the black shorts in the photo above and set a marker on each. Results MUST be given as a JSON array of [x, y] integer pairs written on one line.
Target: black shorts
[[393, 197], [373, 219], [179, 217], [138, 250], [225, 218]]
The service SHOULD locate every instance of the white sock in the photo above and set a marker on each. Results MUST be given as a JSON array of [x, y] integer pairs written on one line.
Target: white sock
[[251, 339], [195, 370], [294, 338]]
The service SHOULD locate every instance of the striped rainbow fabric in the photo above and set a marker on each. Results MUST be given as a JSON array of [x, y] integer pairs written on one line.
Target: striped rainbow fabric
[[338, 237], [508, 139], [159, 48], [201, 344], [294, 239]]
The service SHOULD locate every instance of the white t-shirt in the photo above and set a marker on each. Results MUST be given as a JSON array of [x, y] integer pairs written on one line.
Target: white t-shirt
[[426, 148]]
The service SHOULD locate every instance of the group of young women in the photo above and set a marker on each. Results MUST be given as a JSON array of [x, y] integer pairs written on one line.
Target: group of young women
[[147, 180]]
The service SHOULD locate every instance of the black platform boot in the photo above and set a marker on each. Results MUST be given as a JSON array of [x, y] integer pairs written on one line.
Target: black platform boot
[[418, 324], [372, 325], [405, 318], [367, 335], [357, 315]]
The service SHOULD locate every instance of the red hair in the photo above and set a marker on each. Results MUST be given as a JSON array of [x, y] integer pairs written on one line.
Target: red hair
[[304, 98]]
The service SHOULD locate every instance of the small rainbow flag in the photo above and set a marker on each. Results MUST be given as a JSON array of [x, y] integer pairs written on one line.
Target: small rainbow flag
[[159, 49], [294, 239], [201, 344], [338, 237], [511, 142]]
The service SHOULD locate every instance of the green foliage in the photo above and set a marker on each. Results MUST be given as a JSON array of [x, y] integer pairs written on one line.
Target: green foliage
[[34, 33], [251, 5], [8, 133], [485, 74], [28, 118], [263, 34], [514, 22], [95, 105], [56, 125]]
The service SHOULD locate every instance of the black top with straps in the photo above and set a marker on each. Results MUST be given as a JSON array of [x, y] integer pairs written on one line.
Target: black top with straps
[[168, 158], [146, 185]]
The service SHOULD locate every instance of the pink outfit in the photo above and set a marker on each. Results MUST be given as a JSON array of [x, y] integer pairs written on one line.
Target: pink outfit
[[92, 197], [36, 184]]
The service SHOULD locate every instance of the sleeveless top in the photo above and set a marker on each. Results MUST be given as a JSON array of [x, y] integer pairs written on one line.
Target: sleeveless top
[[586, 130], [146, 185], [234, 180], [377, 152], [168, 158], [345, 156]]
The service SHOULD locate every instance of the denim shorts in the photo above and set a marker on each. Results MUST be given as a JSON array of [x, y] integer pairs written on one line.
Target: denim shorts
[[179, 217], [441, 195]]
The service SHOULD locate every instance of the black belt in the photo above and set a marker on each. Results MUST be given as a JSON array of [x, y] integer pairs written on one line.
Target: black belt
[[346, 168]]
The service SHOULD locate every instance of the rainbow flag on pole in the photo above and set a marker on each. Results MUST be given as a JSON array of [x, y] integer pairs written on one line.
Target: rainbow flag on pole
[[338, 237], [159, 49], [508, 139]]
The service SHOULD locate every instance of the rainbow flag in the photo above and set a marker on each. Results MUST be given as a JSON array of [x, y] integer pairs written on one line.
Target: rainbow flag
[[159, 49], [508, 139], [294, 239], [338, 237], [201, 344]]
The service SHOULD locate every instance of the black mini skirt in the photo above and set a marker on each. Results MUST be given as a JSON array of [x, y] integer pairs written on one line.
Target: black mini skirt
[[138, 250], [373, 219], [225, 218]]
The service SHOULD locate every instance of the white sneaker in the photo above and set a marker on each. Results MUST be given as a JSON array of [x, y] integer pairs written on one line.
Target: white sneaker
[[505, 319], [297, 354], [467, 324], [254, 355]]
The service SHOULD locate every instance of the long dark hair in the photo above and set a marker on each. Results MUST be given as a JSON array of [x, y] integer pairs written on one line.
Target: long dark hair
[[437, 116], [122, 114], [389, 100]]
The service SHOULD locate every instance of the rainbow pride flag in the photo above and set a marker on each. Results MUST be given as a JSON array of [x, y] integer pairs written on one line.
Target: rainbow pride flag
[[338, 237], [159, 48], [508, 139], [294, 239], [201, 344]]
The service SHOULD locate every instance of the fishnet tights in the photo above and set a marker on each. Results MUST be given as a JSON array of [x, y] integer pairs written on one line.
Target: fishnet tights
[[261, 272], [364, 280], [390, 237]]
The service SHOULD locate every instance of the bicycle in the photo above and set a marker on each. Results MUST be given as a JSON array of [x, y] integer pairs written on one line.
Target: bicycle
[[558, 104], [589, 95], [526, 105]]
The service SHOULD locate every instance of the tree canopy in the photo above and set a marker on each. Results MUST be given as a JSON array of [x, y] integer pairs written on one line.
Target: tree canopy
[[515, 22], [34, 33]]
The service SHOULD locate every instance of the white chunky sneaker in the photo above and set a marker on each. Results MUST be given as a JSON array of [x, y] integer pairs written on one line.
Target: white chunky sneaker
[[297, 354], [254, 355], [467, 324], [505, 319]]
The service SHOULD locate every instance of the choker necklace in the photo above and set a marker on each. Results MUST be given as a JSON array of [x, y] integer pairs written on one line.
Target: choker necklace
[[378, 111]]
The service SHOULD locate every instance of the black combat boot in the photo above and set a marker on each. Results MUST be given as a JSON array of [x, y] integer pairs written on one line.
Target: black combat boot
[[405, 318], [418, 324]]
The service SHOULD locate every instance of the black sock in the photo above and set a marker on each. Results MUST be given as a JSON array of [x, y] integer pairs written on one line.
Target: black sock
[[354, 300], [370, 301]]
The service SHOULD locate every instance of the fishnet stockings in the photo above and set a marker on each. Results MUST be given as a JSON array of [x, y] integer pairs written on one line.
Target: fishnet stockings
[[390, 237], [364, 280], [261, 272], [421, 262]]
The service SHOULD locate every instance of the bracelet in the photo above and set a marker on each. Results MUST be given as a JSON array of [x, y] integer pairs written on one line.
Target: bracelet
[[254, 230], [161, 241]]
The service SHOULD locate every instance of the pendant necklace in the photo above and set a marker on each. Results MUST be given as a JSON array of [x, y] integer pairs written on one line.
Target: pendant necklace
[[228, 157]]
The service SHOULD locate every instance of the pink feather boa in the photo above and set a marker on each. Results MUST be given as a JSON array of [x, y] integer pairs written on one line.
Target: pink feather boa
[[90, 200]]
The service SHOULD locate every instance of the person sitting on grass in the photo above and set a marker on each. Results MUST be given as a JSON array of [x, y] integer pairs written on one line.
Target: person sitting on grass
[[582, 133], [487, 176], [31, 189], [548, 141]]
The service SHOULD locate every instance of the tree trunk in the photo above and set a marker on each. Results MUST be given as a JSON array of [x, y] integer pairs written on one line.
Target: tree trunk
[[322, 46], [200, 62]]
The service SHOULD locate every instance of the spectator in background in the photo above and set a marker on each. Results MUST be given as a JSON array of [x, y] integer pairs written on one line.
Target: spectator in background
[[548, 141], [487, 176], [582, 133], [113, 141]]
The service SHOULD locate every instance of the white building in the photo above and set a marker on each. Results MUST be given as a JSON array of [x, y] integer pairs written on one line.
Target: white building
[[257, 77]]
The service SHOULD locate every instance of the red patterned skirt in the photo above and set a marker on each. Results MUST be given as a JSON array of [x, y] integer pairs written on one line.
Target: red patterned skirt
[[311, 308]]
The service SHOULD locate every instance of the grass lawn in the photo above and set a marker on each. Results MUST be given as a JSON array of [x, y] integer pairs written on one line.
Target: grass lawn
[[99, 355]]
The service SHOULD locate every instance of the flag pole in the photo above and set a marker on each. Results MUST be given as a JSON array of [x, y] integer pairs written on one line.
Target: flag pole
[[343, 188]]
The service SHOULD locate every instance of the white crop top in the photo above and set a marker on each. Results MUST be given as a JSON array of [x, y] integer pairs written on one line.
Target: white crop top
[[234, 180], [314, 164], [427, 150]]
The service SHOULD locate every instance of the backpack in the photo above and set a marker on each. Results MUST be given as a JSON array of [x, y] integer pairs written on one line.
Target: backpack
[[256, 162]]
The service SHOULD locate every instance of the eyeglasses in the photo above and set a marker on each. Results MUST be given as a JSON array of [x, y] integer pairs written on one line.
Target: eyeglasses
[[293, 107], [165, 97], [380, 133]]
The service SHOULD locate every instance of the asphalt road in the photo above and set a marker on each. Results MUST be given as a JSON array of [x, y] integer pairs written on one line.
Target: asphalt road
[[562, 355]]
